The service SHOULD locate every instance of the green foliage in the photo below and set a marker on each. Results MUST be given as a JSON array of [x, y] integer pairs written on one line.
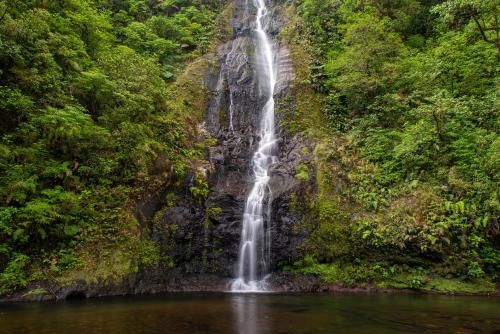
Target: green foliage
[[482, 15], [302, 172], [85, 90], [36, 292], [149, 253], [14, 277], [200, 188], [374, 45], [213, 212], [411, 97], [475, 270], [384, 275]]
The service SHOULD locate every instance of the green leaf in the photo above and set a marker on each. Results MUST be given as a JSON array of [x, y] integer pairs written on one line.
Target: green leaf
[[71, 230], [18, 234]]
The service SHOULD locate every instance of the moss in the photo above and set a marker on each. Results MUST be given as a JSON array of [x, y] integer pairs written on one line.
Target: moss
[[294, 202], [299, 46], [201, 189], [224, 30], [188, 95], [364, 274], [213, 212], [170, 199], [105, 259], [36, 293], [455, 285], [301, 107], [209, 212], [111, 267], [301, 111], [302, 172], [149, 253], [428, 282], [340, 274]]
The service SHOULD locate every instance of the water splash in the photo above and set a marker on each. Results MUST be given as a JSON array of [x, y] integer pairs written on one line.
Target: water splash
[[255, 246]]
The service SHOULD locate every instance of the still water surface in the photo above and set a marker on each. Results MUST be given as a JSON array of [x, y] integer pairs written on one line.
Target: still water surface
[[256, 314]]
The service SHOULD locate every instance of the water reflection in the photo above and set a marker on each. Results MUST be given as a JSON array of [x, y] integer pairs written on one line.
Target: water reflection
[[245, 309], [256, 314]]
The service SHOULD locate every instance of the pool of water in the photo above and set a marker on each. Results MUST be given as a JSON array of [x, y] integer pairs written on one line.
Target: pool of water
[[256, 314]]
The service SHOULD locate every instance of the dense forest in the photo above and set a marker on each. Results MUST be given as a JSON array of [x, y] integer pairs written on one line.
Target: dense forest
[[87, 105], [400, 97], [410, 94]]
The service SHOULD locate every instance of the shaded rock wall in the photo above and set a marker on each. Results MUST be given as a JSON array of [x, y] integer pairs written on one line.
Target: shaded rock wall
[[209, 243]]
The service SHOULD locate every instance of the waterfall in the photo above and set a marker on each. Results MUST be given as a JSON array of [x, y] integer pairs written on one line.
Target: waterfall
[[254, 253]]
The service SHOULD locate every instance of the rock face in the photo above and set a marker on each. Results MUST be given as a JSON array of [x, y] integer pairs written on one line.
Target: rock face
[[207, 236]]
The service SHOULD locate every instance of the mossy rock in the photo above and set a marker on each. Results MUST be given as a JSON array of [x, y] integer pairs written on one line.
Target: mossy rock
[[37, 294], [302, 172]]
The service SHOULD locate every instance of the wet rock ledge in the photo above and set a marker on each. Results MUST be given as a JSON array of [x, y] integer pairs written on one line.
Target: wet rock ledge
[[172, 283]]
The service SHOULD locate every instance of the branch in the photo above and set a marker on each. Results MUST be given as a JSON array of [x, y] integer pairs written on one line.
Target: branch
[[480, 28], [3, 15]]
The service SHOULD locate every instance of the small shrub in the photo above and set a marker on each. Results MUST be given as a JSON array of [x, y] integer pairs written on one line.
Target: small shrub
[[14, 276]]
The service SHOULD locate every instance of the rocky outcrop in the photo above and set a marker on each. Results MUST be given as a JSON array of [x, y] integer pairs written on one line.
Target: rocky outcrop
[[207, 236], [160, 282]]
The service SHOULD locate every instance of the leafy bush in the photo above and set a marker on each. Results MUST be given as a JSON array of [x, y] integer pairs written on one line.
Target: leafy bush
[[14, 276], [84, 116], [410, 87]]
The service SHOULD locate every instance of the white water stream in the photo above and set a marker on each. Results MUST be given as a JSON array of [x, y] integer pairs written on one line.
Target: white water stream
[[255, 246]]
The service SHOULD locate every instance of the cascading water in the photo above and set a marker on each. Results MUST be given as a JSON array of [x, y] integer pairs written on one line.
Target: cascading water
[[254, 254]]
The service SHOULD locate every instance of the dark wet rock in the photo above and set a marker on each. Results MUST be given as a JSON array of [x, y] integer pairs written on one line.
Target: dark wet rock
[[210, 244]]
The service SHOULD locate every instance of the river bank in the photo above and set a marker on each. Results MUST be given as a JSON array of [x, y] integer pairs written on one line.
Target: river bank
[[175, 283]]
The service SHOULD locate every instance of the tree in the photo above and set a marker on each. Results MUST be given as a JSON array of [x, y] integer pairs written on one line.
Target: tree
[[375, 47], [485, 15]]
